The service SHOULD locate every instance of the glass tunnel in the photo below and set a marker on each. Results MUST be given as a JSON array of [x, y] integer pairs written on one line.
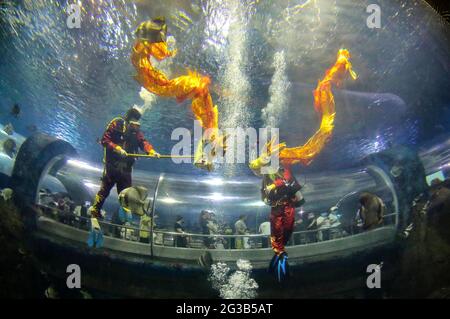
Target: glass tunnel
[[142, 98], [171, 195]]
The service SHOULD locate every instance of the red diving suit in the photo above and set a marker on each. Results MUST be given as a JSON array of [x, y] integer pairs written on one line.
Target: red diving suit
[[281, 191], [118, 137]]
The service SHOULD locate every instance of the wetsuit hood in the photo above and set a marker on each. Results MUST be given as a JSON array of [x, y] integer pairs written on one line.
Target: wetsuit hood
[[154, 30]]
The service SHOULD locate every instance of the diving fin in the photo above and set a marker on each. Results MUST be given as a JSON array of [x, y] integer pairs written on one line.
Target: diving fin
[[95, 239], [273, 263], [279, 265]]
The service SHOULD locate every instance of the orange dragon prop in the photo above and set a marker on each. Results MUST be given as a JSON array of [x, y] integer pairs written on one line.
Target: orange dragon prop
[[324, 104], [280, 190], [151, 42]]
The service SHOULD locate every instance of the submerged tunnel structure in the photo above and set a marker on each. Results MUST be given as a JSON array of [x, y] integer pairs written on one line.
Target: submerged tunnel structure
[[46, 165], [263, 60]]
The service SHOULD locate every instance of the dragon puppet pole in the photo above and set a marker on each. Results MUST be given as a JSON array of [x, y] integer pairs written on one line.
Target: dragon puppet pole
[[161, 156]]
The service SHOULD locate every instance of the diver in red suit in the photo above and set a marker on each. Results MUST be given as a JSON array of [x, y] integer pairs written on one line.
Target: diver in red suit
[[282, 192], [122, 137]]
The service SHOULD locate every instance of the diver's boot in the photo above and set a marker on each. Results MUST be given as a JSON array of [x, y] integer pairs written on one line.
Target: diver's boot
[[95, 239], [282, 270], [279, 265], [273, 263]]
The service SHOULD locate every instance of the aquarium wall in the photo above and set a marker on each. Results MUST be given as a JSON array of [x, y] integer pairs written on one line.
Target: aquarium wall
[[310, 136], [178, 195], [264, 58]]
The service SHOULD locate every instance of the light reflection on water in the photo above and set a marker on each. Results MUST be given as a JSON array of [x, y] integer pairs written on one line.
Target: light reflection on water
[[70, 83]]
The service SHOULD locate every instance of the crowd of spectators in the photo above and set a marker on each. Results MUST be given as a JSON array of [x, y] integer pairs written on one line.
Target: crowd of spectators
[[310, 227]]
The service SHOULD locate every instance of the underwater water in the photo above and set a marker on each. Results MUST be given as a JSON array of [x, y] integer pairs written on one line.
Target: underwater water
[[264, 59]]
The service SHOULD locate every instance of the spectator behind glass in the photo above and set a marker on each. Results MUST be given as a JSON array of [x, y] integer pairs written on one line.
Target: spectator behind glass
[[323, 225], [230, 241], [300, 226], [203, 221], [116, 220], [180, 240], [264, 229], [371, 211], [311, 236], [215, 229], [145, 224], [213, 226], [335, 223], [240, 229]]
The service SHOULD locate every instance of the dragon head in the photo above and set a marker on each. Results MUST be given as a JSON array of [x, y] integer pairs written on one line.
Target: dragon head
[[153, 31], [264, 164]]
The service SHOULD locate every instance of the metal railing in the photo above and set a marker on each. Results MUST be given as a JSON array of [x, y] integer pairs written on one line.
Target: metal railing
[[162, 237]]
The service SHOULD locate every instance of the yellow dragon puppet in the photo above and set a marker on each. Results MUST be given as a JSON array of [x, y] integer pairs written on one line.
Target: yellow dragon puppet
[[151, 42]]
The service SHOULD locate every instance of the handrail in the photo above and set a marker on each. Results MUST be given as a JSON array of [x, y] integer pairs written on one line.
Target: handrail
[[196, 234], [152, 212], [388, 181], [88, 218]]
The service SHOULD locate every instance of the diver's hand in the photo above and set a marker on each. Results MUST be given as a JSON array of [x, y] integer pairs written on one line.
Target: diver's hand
[[154, 154], [121, 151]]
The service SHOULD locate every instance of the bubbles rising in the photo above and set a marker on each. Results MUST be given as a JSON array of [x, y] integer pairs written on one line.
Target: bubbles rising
[[234, 285], [279, 92]]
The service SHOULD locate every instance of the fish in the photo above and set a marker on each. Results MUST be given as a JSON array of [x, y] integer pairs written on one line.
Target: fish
[[133, 199], [10, 147], [15, 110]]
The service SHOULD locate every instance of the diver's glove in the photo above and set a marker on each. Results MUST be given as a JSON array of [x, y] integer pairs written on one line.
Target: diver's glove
[[270, 187], [154, 153], [120, 151]]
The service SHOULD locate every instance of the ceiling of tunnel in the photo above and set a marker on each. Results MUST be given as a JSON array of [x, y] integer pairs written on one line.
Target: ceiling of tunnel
[[71, 82]]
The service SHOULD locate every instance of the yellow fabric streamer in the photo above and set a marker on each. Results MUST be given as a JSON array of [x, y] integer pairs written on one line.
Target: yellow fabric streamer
[[191, 86], [324, 104]]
